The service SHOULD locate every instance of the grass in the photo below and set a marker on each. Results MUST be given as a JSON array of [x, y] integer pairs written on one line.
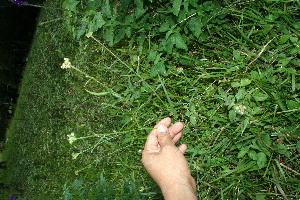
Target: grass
[[237, 94]]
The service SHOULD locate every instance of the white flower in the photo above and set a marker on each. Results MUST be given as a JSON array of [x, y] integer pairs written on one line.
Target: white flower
[[240, 109], [89, 34], [66, 64], [179, 70], [71, 138], [75, 155]]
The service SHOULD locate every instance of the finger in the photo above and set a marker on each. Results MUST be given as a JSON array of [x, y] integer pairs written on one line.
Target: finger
[[182, 148], [175, 128], [151, 144], [166, 122], [177, 137], [164, 138], [152, 139]]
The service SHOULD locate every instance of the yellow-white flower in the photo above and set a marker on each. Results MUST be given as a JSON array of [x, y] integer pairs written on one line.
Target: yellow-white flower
[[66, 64], [75, 155], [89, 34], [71, 138], [240, 109], [179, 70]]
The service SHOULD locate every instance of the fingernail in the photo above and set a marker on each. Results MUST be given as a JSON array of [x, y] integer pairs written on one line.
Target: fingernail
[[162, 129]]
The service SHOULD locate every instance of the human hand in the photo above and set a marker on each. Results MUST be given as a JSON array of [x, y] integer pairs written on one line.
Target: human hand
[[165, 162]]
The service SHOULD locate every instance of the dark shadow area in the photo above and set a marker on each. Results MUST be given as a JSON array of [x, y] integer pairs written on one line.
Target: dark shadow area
[[17, 27]]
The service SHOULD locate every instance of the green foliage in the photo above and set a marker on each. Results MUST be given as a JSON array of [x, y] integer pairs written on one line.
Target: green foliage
[[103, 189], [228, 70]]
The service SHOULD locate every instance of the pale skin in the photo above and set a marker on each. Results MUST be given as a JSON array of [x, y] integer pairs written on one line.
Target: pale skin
[[166, 163]]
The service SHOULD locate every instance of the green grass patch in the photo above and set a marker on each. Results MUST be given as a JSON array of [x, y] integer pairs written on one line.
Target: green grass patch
[[228, 70]]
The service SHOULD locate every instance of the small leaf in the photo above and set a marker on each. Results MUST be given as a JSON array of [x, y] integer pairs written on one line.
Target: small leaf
[[259, 96], [178, 41], [98, 22], [235, 84], [106, 9], [77, 184], [240, 94], [196, 26], [81, 30], [243, 151], [151, 56], [285, 61], [283, 39], [140, 8], [282, 149], [252, 154], [158, 68], [72, 5], [266, 139], [176, 7], [293, 39], [292, 104], [261, 160], [236, 55], [97, 93], [109, 35], [193, 119], [245, 82]]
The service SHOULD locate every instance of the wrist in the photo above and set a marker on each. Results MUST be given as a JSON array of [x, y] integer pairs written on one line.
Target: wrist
[[180, 191]]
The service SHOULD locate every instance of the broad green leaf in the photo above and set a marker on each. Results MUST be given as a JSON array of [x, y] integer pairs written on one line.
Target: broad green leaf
[[243, 151], [195, 26], [174, 39], [235, 84], [245, 82], [193, 119], [71, 5], [139, 8], [178, 41], [259, 96], [236, 55], [106, 9], [283, 39], [240, 94], [120, 35], [252, 154], [152, 56], [266, 139], [81, 30], [97, 93], [91, 5], [166, 25], [285, 61], [109, 35], [261, 160], [158, 68], [77, 184], [98, 22], [176, 7], [281, 148], [192, 107], [292, 104], [293, 39]]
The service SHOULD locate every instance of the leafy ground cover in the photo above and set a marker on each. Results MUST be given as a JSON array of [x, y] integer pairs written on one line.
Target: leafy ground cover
[[228, 70]]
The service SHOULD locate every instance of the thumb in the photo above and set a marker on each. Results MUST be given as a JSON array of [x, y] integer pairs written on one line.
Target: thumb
[[164, 138]]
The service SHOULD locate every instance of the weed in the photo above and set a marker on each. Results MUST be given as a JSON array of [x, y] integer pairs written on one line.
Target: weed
[[227, 70]]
